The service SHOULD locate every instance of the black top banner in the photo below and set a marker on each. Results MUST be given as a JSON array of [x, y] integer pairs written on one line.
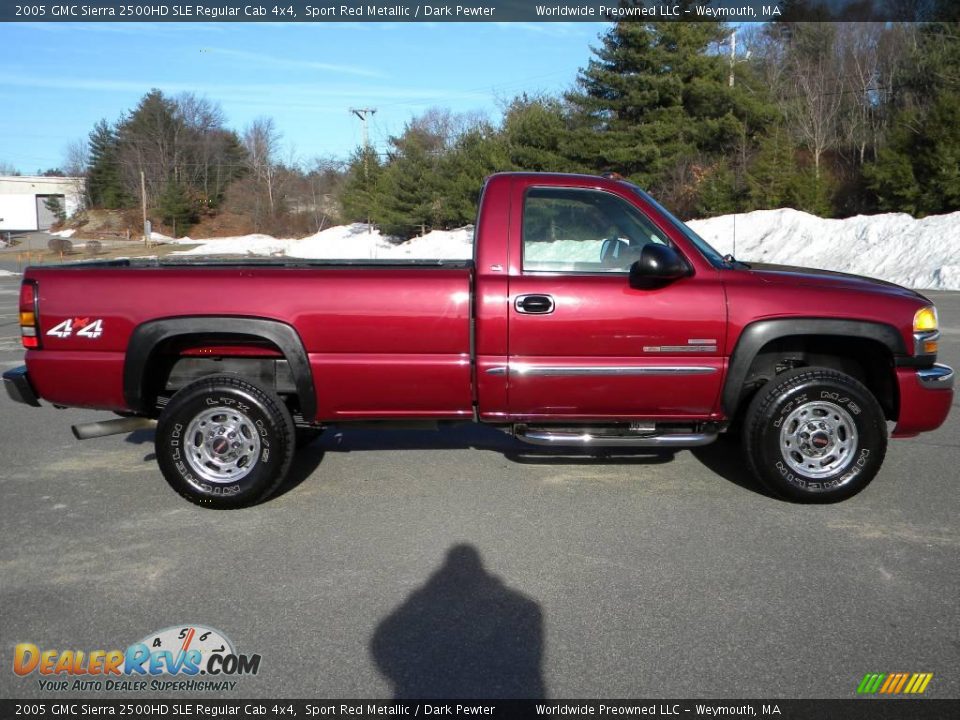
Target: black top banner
[[861, 709], [479, 11]]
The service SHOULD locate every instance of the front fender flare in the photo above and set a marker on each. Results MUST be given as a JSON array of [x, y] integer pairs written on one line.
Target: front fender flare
[[759, 333]]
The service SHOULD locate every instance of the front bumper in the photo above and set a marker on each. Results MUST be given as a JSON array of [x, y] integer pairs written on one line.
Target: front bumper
[[18, 386], [938, 377], [926, 395]]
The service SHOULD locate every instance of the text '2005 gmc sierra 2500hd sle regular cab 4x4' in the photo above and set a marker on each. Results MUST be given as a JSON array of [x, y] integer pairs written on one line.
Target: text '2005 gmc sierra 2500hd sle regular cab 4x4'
[[589, 316]]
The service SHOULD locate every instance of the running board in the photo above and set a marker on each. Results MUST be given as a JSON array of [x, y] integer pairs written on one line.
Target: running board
[[87, 431], [587, 439]]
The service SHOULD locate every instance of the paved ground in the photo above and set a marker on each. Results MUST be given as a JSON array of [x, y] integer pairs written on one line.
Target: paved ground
[[418, 562]]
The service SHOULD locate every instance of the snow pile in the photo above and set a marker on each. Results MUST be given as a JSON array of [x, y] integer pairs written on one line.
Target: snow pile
[[8, 273], [570, 251], [895, 247], [344, 242], [240, 245]]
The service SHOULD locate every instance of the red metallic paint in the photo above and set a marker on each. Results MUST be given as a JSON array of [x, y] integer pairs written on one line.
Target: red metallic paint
[[921, 410]]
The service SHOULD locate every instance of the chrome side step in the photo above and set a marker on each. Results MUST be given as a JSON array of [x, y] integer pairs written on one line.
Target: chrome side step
[[594, 439]]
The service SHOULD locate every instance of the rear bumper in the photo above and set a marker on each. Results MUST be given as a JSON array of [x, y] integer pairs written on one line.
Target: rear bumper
[[18, 386], [925, 398]]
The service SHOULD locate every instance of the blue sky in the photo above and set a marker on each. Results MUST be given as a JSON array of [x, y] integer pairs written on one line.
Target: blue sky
[[58, 79]]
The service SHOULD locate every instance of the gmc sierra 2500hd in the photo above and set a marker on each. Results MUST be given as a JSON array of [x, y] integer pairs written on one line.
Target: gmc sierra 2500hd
[[589, 316]]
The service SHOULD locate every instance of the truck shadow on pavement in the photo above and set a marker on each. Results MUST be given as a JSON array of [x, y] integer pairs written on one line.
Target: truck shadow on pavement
[[463, 634], [723, 458]]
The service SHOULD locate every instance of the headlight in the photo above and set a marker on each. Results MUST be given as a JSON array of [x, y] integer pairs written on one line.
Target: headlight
[[926, 319]]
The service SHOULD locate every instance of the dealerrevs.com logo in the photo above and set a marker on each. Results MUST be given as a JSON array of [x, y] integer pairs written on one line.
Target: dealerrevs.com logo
[[178, 658]]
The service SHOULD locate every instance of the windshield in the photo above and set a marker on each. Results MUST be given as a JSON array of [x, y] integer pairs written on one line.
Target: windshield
[[715, 258]]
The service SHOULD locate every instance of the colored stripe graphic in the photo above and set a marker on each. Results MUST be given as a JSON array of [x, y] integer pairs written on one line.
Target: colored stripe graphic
[[894, 683], [871, 683]]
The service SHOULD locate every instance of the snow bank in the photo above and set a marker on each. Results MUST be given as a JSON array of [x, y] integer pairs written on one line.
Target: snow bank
[[895, 247], [344, 242]]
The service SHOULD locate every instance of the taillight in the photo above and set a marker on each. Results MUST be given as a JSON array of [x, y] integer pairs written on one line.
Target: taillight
[[29, 323]]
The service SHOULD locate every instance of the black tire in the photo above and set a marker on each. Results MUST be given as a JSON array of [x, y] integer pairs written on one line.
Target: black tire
[[814, 435], [259, 451]]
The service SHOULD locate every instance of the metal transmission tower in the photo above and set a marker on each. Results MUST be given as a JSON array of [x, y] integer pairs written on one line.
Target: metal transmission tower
[[363, 113]]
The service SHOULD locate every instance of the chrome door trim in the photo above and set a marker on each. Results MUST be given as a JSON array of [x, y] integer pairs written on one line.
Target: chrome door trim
[[621, 370]]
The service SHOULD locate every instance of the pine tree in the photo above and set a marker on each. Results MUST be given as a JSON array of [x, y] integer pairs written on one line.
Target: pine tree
[[919, 169], [150, 140], [359, 194], [479, 152], [655, 105], [536, 134], [406, 190], [176, 207], [639, 98], [104, 186]]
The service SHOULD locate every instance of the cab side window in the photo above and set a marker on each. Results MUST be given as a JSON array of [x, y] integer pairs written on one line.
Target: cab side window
[[583, 231]]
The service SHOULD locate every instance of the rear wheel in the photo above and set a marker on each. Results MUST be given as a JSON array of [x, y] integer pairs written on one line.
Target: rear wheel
[[815, 435], [223, 442]]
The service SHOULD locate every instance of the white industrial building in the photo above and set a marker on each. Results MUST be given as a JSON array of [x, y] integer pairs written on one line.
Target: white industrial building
[[28, 202]]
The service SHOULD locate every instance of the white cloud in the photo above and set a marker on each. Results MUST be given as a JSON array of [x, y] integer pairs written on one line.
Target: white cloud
[[273, 60]]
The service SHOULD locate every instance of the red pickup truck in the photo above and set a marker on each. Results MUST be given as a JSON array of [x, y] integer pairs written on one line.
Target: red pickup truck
[[589, 316]]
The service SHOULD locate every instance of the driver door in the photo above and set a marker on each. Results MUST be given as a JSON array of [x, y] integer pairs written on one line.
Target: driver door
[[583, 343]]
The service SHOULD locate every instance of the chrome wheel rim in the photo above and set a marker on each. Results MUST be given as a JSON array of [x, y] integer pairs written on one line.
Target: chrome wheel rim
[[818, 439], [222, 445]]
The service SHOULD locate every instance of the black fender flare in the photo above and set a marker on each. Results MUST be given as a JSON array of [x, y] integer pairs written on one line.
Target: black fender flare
[[761, 332], [146, 337]]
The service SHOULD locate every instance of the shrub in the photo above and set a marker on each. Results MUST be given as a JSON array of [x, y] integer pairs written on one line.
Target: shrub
[[60, 245]]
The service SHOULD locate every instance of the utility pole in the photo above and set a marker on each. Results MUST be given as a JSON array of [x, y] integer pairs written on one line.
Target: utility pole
[[363, 113], [143, 198]]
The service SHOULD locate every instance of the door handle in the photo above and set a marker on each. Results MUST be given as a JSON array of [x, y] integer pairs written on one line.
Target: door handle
[[534, 304]]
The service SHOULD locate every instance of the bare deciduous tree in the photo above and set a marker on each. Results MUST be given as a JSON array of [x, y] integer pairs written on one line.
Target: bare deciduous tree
[[814, 91], [262, 142]]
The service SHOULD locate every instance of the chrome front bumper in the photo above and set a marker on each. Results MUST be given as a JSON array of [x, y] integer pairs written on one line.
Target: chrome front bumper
[[938, 377]]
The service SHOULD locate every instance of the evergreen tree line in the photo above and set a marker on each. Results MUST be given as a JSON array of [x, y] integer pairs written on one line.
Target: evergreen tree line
[[831, 118]]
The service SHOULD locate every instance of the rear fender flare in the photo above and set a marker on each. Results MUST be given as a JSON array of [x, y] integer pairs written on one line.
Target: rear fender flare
[[756, 335], [146, 337]]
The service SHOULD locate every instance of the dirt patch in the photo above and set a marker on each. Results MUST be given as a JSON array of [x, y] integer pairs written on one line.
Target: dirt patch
[[104, 225], [223, 224]]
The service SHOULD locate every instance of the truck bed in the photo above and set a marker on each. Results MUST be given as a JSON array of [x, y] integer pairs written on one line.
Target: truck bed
[[383, 339]]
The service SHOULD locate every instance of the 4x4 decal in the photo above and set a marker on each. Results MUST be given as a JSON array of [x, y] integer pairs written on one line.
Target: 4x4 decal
[[91, 329]]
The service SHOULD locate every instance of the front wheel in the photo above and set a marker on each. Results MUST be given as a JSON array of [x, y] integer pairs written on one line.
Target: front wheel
[[815, 435], [223, 442]]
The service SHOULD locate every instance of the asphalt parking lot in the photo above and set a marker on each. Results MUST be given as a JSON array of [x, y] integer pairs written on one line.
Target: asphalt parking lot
[[406, 563]]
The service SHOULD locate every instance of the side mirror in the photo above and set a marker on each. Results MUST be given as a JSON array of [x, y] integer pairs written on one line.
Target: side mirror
[[658, 265]]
